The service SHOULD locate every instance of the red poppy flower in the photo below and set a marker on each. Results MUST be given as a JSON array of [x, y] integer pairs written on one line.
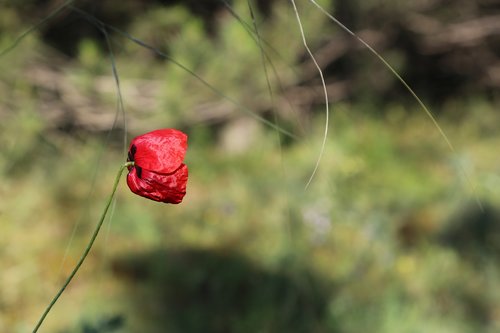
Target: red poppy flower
[[158, 172]]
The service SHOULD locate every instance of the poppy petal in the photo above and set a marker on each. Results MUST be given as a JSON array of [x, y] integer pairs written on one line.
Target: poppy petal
[[161, 151], [168, 188]]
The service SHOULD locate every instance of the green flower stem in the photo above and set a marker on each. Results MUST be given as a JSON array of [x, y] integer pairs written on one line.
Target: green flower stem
[[87, 249]]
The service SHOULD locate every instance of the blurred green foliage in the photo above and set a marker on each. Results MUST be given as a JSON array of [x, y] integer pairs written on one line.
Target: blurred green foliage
[[387, 238]]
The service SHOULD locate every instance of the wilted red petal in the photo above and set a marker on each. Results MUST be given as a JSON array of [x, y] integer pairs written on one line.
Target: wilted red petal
[[160, 151], [168, 188]]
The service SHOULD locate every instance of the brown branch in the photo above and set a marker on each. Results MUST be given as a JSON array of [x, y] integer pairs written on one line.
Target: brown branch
[[438, 38]]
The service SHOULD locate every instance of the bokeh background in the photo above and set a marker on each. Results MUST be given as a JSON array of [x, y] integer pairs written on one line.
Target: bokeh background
[[388, 237]]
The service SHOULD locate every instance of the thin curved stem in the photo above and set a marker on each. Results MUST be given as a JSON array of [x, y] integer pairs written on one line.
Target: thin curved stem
[[325, 94], [87, 249]]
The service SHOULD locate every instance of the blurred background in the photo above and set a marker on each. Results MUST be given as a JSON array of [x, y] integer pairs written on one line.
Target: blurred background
[[395, 233]]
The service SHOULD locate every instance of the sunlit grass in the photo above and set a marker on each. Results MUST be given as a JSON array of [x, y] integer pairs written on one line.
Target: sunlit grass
[[377, 176]]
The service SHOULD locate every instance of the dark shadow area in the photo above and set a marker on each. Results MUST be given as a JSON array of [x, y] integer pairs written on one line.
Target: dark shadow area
[[105, 325], [196, 290], [474, 232], [65, 30]]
